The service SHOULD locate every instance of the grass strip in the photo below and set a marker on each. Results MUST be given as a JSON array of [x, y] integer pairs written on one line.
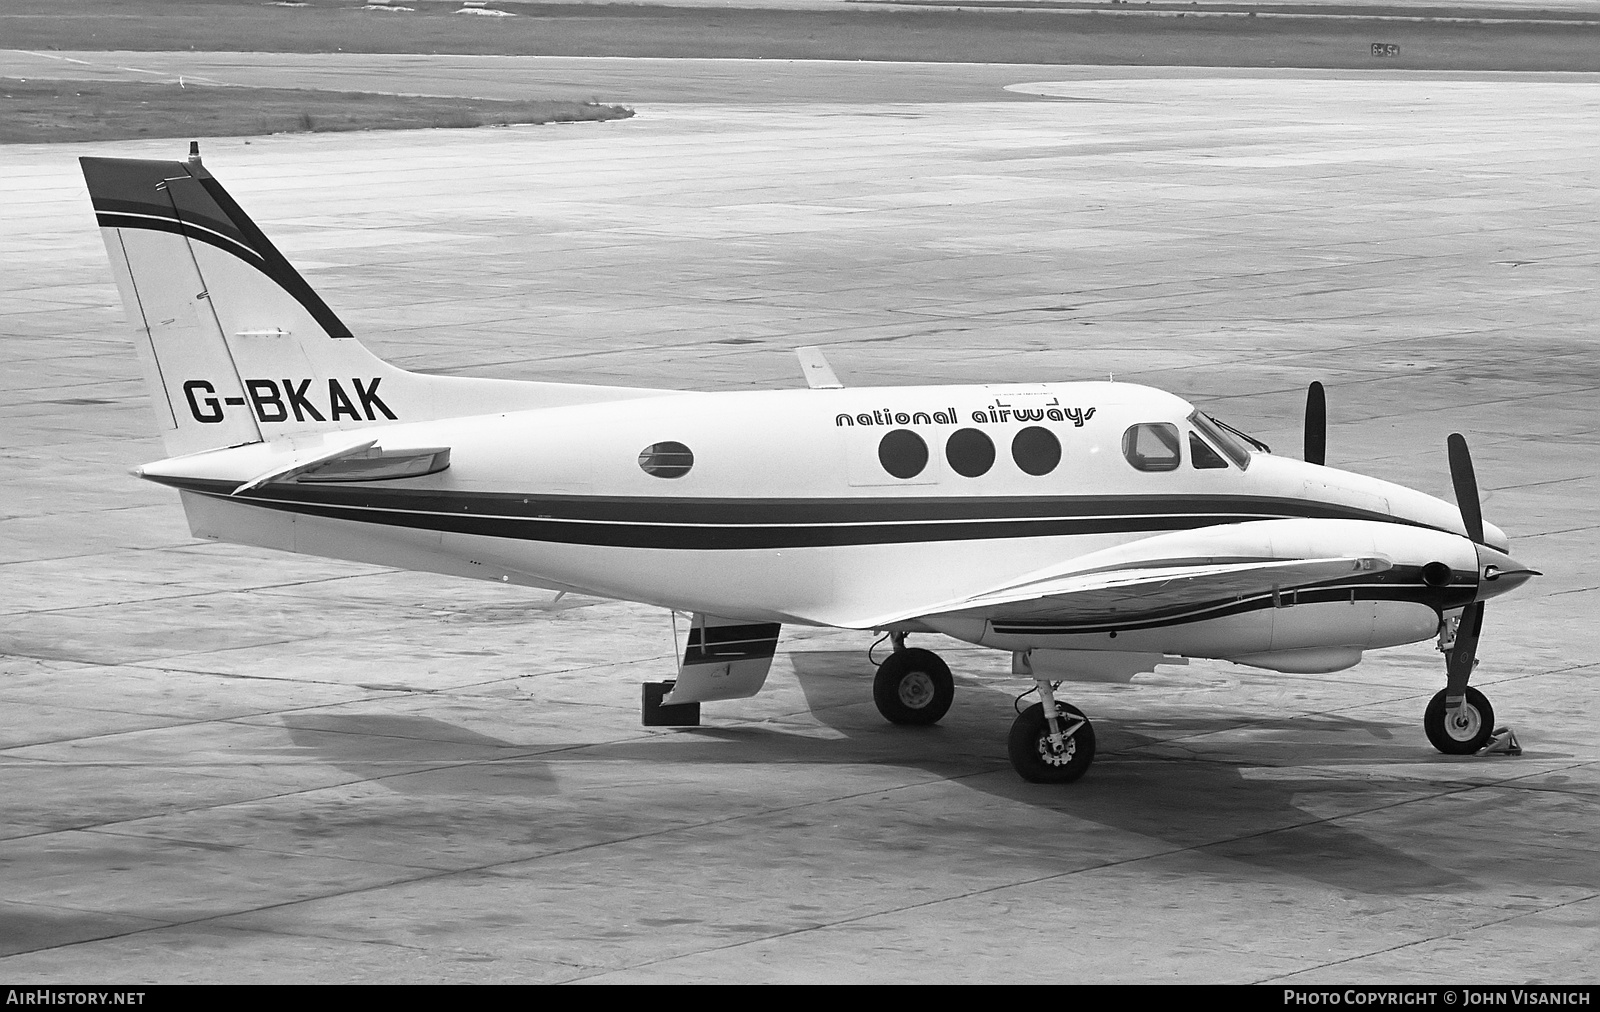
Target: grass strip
[[44, 111]]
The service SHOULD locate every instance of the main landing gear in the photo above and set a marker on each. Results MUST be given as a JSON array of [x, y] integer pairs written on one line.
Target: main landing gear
[[912, 686], [1050, 742]]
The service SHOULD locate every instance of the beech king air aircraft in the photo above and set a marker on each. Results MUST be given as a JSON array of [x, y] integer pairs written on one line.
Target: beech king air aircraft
[[1093, 530]]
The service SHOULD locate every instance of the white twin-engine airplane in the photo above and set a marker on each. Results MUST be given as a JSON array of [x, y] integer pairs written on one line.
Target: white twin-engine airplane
[[1092, 529]]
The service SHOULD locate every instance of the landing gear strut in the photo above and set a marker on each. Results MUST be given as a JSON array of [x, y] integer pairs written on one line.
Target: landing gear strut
[[912, 686], [1051, 742]]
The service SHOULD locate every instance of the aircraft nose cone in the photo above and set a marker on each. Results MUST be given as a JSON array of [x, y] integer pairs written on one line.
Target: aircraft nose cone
[[1499, 573]]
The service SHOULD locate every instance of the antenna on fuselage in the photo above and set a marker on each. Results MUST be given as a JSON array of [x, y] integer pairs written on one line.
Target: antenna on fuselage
[[1316, 424], [819, 374]]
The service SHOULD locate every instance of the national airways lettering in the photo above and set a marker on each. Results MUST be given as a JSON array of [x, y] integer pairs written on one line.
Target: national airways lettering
[[274, 403]]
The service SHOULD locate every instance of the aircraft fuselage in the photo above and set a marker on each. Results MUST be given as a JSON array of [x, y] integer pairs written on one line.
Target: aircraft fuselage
[[787, 510]]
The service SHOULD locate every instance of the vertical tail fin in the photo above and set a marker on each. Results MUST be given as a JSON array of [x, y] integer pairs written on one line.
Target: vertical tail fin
[[236, 346]]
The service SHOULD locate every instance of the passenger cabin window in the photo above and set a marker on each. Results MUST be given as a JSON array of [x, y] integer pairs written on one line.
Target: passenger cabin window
[[1036, 450], [903, 453], [1152, 446], [1203, 456], [970, 452], [666, 460]]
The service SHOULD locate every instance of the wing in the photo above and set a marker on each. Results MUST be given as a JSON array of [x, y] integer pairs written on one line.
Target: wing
[[1182, 573], [1145, 591]]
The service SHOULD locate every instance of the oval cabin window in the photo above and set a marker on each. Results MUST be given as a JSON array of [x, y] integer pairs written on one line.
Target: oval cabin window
[[666, 460], [903, 453], [1036, 450], [970, 452]]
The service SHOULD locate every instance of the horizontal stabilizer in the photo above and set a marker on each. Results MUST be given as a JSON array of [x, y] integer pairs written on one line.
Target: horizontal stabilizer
[[348, 459]]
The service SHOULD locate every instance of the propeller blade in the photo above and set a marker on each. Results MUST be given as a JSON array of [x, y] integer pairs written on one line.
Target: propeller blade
[[1316, 424], [1466, 485]]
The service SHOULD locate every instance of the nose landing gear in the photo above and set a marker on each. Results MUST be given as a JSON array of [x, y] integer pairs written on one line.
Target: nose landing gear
[[1461, 730], [1051, 742]]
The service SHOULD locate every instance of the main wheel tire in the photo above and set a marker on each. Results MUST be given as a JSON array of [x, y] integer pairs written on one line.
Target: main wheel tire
[[1029, 746], [913, 687], [1464, 733]]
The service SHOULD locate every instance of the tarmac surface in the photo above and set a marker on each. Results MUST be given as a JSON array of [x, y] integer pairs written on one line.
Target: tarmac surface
[[222, 764]]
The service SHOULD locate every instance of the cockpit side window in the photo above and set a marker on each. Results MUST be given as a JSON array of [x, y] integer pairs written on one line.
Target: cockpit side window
[[1235, 450], [1203, 456], [1152, 446]]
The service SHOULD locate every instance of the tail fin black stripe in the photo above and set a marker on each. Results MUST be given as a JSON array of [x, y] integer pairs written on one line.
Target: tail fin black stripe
[[275, 266], [222, 227], [167, 223]]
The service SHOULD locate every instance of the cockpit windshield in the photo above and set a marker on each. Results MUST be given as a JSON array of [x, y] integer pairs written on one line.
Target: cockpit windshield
[[1227, 438]]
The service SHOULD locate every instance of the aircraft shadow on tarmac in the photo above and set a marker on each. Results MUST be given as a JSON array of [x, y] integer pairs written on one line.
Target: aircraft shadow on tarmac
[[1209, 805], [1196, 802]]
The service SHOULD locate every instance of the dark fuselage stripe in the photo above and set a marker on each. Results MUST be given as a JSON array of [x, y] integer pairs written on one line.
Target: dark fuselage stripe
[[663, 511], [688, 524]]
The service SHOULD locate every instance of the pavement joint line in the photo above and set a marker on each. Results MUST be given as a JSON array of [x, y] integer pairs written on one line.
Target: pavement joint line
[[1434, 938], [1563, 530], [65, 907], [245, 848], [1540, 484], [387, 943], [150, 665], [1460, 406], [1575, 590], [1537, 788]]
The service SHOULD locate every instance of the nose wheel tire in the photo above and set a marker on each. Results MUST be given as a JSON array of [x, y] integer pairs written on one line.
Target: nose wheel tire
[[1034, 758], [913, 687], [1463, 732]]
